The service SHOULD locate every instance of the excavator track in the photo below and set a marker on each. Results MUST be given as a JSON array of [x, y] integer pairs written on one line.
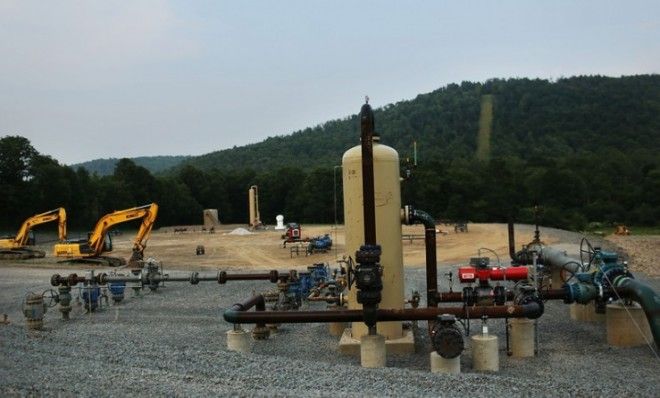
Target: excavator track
[[21, 254], [103, 261]]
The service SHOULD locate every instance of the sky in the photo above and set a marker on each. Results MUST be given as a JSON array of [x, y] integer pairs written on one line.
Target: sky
[[96, 79]]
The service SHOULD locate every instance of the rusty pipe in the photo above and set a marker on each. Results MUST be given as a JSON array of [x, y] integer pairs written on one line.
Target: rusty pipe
[[530, 310], [367, 126], [457, 297], [271, 276], [512, 242], [259, 304]]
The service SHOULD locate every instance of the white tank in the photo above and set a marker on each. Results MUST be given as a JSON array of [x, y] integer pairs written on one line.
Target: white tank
[[279, 219], [387, 189]]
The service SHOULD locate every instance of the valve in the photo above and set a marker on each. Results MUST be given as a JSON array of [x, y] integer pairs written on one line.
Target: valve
[[34, 309], [499, 295], [117, 291], [525, 294], [446, 337], [368, 281]]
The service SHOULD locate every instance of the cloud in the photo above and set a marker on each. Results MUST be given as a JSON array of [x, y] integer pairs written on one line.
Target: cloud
[[87, 43]]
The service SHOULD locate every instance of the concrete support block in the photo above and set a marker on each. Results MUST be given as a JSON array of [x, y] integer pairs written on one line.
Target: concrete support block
[[585, 313], [372, 351], [336, 328], [445, 365], [485, 356], [522, 338], [621, 329], [238, 340]]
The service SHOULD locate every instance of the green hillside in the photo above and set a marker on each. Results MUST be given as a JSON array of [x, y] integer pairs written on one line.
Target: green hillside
[[531, 118], [584, 148]]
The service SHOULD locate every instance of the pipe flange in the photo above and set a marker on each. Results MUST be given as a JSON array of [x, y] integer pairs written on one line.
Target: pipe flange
[[55, 280], [72, 280], [222, 277], [273, 276]]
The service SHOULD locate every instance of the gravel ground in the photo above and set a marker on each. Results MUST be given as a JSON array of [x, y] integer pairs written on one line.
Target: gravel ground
[[173, 343]]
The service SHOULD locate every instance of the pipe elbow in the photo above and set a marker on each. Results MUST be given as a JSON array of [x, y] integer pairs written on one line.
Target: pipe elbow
[[231, 315], [533, 310]]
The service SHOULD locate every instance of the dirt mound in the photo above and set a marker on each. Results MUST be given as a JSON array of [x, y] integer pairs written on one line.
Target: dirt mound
[[240, 232]]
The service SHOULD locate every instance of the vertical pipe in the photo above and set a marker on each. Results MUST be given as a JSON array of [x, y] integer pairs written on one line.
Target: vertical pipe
[[367, 129], [431, 268], [415, 216], [512, 241]]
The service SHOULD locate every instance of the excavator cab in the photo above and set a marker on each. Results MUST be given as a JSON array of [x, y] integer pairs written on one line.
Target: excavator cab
[[107, 243], [32, 240]]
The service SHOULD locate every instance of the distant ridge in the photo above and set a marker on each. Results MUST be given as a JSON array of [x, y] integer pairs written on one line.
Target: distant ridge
[[530, 118], [155, 164]]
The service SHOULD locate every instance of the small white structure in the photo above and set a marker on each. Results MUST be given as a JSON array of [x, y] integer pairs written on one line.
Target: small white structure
[[280, 222]]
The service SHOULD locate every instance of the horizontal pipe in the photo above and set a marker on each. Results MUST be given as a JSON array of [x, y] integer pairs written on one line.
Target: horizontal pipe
[[221, 277], [457, 297], [530, 310], [272, 276]]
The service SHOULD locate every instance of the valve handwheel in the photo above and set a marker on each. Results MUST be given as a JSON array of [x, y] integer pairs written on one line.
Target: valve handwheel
[[567, 275], [587, 254], [51, 298]]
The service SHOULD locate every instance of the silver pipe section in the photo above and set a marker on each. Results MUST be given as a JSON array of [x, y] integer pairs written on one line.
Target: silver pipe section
[[553, 258]]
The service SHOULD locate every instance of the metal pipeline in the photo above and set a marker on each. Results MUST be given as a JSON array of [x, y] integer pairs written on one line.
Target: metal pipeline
[[237, 315], [412, 216], [194, 278], [647, 299], [367, 125], [457, 297], [553, 258]]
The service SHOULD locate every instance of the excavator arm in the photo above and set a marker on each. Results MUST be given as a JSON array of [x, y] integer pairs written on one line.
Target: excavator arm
[[148, 215], [21, 238], [140, 241]]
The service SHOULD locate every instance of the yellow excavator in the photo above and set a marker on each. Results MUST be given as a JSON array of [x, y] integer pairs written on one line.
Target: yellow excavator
[[90, 250], [15, 248]]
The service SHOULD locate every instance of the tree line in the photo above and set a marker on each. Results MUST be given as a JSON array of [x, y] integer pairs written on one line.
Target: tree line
[[605, 186], [584, 148]]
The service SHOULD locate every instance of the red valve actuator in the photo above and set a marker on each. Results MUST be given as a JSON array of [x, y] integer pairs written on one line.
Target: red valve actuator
[[470, 274]]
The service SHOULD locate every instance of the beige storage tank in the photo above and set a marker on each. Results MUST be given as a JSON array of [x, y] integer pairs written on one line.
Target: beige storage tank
[[211, 219], [253, 203], [387, 190]]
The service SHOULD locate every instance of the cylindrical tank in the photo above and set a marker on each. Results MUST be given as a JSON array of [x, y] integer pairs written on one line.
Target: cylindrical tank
[[387, 190], [254, 206]]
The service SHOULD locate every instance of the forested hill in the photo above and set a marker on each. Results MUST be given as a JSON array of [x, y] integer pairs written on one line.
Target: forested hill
[[531, 118], [154, 164], [585, 149]]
